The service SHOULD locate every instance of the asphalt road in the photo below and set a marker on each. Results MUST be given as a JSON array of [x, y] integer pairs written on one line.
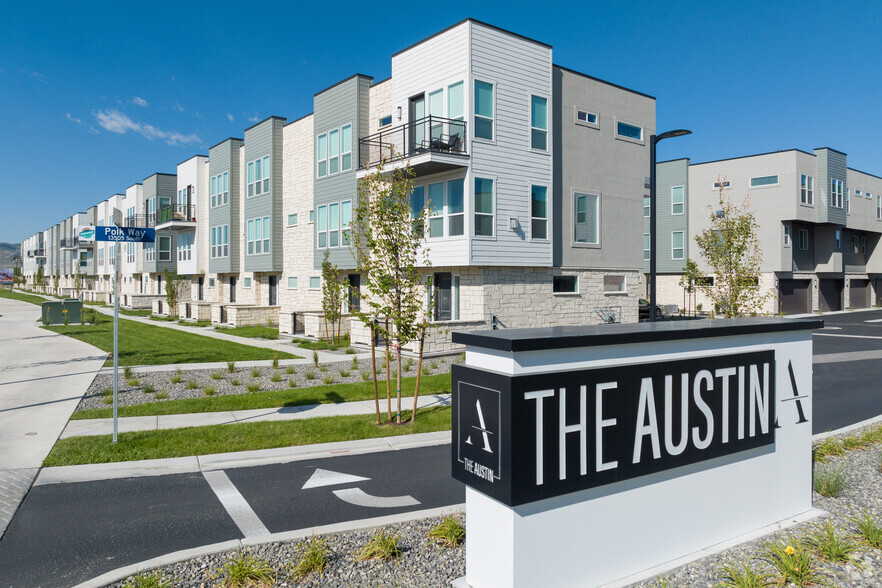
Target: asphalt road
[[67, 533]]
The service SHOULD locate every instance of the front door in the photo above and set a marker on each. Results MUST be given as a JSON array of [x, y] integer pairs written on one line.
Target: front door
[[272, 291], [200, 291], [417, 133], [232, 288], [354, 292], [443, 297]]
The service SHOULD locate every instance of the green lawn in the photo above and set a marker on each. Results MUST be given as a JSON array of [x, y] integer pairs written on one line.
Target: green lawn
[[141, 344], [321, 345], [437, 384], [194, 323], [38, 300], [237, 437], [254, 332], [141, 313]]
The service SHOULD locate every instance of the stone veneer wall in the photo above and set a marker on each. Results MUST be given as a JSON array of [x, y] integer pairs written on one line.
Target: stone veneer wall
[[200, 311], [670, 292], [253, 315]]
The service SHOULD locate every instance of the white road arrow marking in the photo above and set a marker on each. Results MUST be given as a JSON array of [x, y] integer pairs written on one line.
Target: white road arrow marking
[[359, 497], [322, 477]]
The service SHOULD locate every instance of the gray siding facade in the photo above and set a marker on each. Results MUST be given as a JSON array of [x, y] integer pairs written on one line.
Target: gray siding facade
[[832, 165], [155, 187], [261, 140], [224, 157], [668, 175]]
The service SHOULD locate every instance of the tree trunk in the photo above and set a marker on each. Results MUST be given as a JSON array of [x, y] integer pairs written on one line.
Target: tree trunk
[[374, 367], [388, 367], [398, 379], [416, 388]]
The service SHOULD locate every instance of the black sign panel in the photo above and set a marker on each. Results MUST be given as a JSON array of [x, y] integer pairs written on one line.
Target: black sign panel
[[527, 438]]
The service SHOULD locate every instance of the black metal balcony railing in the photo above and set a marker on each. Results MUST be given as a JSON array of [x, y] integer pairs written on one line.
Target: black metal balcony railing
[[70, 243], [136, 220], [36, 253], [176, 212], [432, 134]]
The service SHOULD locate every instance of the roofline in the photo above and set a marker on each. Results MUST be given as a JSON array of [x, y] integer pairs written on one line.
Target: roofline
[[672, 160], [475, 21], [191, 157], [299, 119], [381, 81], [343, 81], [755, 155], [225, 140], [590, 77], [281, 118], [159, 174], [865, 173], [831, 149], [135, 184]]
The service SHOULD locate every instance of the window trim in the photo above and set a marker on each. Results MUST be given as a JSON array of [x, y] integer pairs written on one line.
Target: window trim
[[246, 283], [318, 279], [492, 215], [381, 124], [159, 249], [681, 203], [777, 182], [647, 206], [474, 104], [647, 246], [620, 137], [624, 288], [682, 248], [837, 193], [599, 224], [547, 236], [292, 224], [788, 239], [215, 197], [807, 194], [251, 172], [803, 235], [574, 291], [533, 148], [586, 123], [255, 238], [290, 287]]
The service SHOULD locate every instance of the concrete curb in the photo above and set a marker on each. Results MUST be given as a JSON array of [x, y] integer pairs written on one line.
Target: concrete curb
[[848, 429], [347, 527]]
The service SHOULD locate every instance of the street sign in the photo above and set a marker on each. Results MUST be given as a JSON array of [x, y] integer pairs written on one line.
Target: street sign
[[119, 234]]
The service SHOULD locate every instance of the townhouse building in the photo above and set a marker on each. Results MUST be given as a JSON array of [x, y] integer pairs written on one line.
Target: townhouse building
[[819, 226]]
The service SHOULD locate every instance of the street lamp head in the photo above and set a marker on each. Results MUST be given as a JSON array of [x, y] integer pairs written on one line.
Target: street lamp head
[[675, 133]]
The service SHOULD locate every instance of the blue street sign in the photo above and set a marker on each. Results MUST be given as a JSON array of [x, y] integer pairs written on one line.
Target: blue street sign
[[125, 234]]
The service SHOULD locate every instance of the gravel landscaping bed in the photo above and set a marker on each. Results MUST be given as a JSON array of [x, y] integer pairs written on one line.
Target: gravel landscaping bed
[[226, 383], [426, 564]]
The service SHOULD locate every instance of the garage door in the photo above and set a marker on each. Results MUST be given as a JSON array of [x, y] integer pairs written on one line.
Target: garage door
[[794, 297], [859, 296], [831, 294]]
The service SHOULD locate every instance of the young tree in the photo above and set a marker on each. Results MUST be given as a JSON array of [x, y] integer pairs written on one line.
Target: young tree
[[388, 242], [689, 282], [333, 291], [78, 282], [174, 288], [40, 277], [55, 279], [730, 246]]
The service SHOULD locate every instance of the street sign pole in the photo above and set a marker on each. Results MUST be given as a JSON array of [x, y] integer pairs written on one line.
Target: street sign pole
[[116, 340]]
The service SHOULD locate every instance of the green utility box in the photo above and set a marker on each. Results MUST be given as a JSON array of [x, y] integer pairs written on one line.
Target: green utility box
[[54, 312]]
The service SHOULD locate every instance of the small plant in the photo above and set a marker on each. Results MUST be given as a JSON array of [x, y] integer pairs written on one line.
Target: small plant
[[461, 358], [176, 379], [217, 375], [434, 365], [741, 575], [160, 395], [209, 390], [879, 462], [349, 351], [407, 364], [315, 358], [393, 373], [276, 377], [365, 375], [854, 442], [255, 373], [382, 546], [869, 529], [192, 385], [426, 370], [148, 580], [148, 389], [829, 481], [128, 374], [449, 532], [827, 448], [323, 368], [793, 562], [310, 375], [329, 379], [315, 556], [246, 570], [289, 370], [354, 364], [231, 367], [253, 387], [344, 373], [235, 382], [275, 361], [292, 383], [133, 382], [831, 544]]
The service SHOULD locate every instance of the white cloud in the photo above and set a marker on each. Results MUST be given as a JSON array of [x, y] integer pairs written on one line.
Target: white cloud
[[138, 101], [253, 118], [230, 117], [34, 74], [118, 122], [177, 106], [73, 119]]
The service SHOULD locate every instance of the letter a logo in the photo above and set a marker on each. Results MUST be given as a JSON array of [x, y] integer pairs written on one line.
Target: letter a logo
[[483, 429], [797, 398]]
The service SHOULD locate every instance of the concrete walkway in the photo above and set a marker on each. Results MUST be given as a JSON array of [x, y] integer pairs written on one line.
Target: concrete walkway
[[178, 421], [43, 377]]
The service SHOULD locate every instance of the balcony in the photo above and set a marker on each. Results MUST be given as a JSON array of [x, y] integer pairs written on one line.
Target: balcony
[[431, 145], [176, 217], [73, 243], [36, 253]]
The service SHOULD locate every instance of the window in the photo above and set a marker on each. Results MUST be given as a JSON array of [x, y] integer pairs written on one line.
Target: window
[[723, 184], [629, 131], [220, 241], [322, 226], [164, 248], [455, 108], [763, 181], [258, 176], [803, 239], [483, 110], [385, 121], [848, 200], [292, 282], [220, 189], [837, 239], [211, 282], [676, 200], [646, 246], [539, 123], [613, 284], [879, 207], [786, 236], [539, 212], [677, 245], [312, 216], [586, 118], [483, 207], [258, 236], [647, 207], [321, 156], [246, 282], [292, 220], [869, 196], [334, 151], [345, 220], [455, 214], [855, 244], [564, 284], [417, 204], [436, 209], [185, 244], [149, 253], [346, 147], [807, 190], [857, 193], [111, 255], [587, 219], [130, 253], [836, 192], [315, 282], [334, 225]]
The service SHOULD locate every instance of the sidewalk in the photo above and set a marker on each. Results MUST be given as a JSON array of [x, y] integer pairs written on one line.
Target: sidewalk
[[287, 413], [43, 377]]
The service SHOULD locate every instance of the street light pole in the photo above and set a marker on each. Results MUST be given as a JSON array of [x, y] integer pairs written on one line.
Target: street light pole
[[653, 141]]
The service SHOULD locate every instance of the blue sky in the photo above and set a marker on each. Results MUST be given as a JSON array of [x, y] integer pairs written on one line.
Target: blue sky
[[96, 96]]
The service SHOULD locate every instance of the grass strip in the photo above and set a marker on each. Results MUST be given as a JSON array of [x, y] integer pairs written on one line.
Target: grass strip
[[322, 345], [251, 332], [437, 384], [142, 313], [237, 437], [142, 344], [12, 295]]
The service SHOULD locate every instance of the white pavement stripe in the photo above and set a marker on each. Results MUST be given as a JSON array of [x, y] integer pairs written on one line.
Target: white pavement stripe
[[847, 356], [237, 507], [849, 336], [359, 497]]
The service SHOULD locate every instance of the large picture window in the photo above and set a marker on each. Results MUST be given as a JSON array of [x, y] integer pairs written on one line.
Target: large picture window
[[258, 236], [258, 175], [677, 200], [677, 248], [334, 151], [220, 189], [164, 248], [483, 207], [219, 241], [586, 219]]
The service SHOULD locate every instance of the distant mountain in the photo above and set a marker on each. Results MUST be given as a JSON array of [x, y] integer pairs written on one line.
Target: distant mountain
[[7, 252]]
